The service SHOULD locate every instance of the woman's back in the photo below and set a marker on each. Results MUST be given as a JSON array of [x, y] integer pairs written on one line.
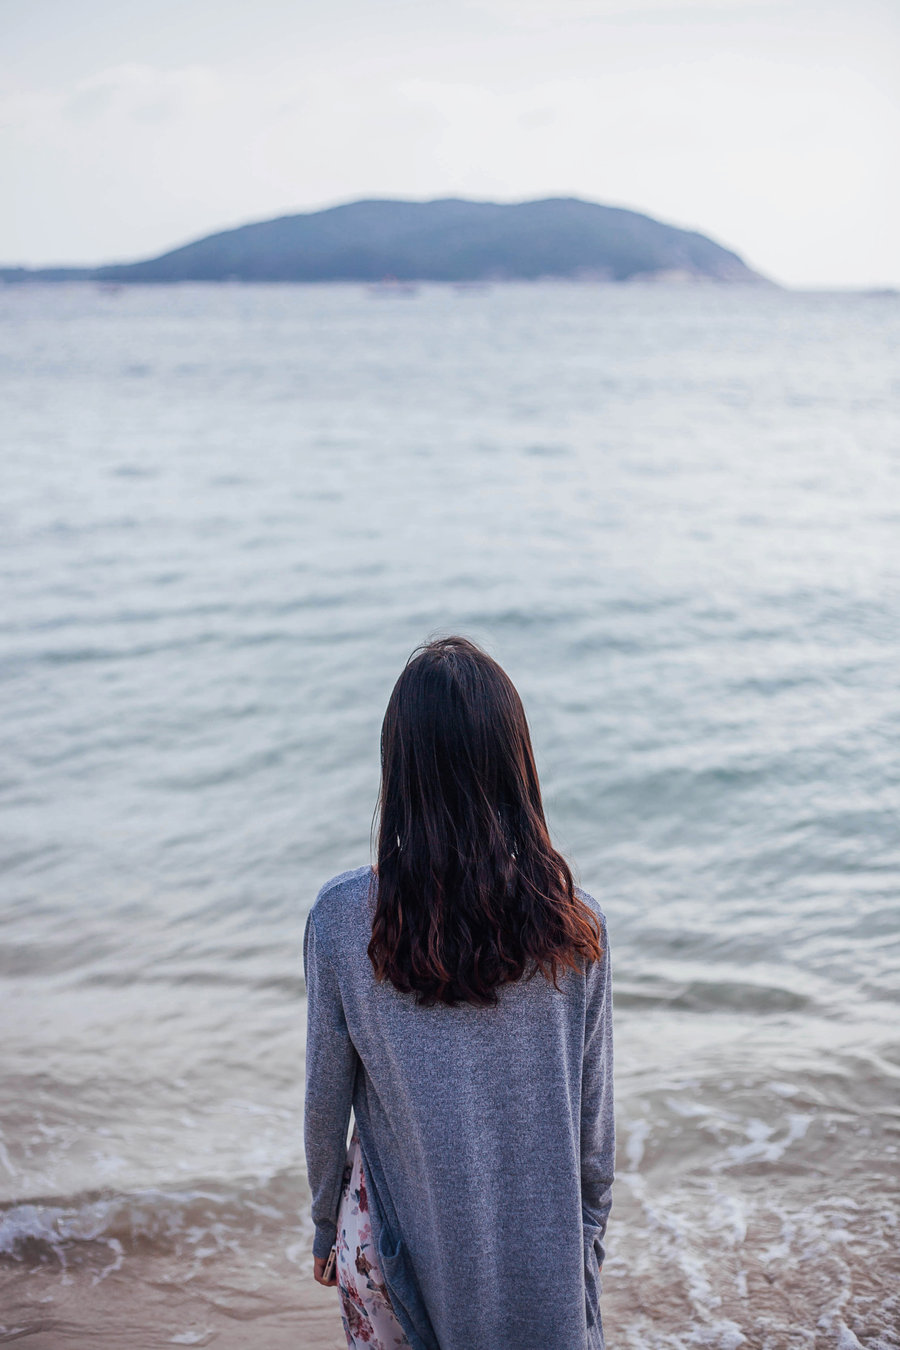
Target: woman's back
[[486, 1135]]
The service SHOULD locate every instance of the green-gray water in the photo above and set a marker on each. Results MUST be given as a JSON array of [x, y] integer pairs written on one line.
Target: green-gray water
[[227, 516]]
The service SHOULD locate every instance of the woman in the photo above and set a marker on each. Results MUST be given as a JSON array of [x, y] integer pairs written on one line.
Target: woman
[[459, 1001]]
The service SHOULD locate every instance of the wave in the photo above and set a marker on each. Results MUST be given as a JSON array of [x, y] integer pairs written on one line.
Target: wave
[[201, 1221], [695, 995]]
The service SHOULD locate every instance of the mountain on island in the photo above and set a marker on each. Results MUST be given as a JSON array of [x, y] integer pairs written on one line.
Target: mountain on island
[[448, 240]]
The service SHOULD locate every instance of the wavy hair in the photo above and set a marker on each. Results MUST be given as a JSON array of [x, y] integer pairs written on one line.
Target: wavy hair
[[470, 893]]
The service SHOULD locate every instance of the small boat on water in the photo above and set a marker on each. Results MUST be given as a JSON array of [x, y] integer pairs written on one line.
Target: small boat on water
[[391, 286]]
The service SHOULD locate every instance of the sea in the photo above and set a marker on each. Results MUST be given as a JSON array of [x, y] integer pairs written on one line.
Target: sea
[[228, 514]]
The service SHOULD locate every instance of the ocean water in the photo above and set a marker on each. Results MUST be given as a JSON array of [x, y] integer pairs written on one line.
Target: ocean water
[[228, 514]]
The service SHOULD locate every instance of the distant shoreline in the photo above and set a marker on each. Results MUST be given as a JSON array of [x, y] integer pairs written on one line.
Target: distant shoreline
[[24, 278], [16, 277]]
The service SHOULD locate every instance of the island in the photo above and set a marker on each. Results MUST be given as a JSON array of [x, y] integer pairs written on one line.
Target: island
[[450, 240]]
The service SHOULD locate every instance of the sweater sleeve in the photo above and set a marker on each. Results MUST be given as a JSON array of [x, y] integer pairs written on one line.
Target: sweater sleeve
[[331, 1061], [598, 1140]]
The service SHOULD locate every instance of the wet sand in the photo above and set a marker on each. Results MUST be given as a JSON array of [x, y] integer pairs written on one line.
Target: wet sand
[[124, 1315], [748, 1297]]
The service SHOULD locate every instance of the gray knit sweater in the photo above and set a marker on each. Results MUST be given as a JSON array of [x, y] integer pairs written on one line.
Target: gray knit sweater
[[486, 1138]]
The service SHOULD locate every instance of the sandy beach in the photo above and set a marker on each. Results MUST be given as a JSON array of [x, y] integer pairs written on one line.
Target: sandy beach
[[651, 1289]]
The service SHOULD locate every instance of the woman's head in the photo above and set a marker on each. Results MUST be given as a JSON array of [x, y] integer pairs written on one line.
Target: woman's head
[[470, 892]]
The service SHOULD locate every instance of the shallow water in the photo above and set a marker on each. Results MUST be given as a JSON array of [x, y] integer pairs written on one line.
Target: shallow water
[[227, 516]]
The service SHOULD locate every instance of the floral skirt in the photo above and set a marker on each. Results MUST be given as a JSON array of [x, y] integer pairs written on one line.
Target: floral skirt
[[366, 1311]]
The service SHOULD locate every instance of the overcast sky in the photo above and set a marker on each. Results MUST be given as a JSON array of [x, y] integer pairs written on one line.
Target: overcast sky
[[128, 127]]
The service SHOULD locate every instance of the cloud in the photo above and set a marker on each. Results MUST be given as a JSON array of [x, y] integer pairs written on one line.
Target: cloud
[[129, 92], [24, 108], [142, 93]]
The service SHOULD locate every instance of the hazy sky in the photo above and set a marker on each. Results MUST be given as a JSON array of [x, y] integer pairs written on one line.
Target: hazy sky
[[127, 127]]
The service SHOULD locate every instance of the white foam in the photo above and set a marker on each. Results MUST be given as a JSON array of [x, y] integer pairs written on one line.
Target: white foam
[[117, 1250], [728, 1214], [637, 1136], [693, 1109], [761, 1146], [783, 1089], [4, 1159], [724, 1335], [24, 1222], [846, 1339]]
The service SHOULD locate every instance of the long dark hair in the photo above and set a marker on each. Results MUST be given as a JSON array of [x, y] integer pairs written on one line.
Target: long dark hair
[[470, 893]]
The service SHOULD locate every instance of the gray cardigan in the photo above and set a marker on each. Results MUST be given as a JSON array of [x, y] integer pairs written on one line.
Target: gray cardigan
[[486, 1138]]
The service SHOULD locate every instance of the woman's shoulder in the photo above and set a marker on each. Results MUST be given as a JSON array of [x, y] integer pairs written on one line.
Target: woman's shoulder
[[340, 897], [593, 905], [354, 880], [596, 973]]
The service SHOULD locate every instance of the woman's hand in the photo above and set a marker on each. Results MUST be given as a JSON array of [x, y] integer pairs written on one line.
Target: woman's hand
[[319, 1272]]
